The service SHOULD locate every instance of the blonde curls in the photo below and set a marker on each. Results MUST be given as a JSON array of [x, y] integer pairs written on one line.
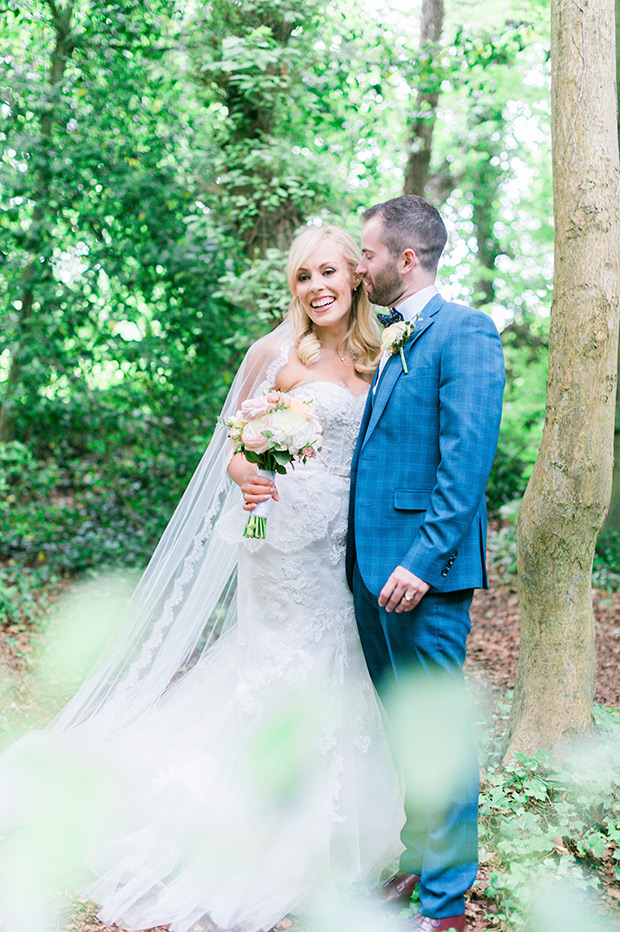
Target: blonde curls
[[362, 341]]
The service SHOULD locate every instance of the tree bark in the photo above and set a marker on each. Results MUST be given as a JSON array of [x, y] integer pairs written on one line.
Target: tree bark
[[423, 119], [612, 524], [567, 498], [63, 48]]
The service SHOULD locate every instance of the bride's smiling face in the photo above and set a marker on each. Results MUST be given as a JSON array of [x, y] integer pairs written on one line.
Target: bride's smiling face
[[324, 285]]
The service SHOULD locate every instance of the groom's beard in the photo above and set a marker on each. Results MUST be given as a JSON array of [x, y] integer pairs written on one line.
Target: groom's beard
[[385, 287]]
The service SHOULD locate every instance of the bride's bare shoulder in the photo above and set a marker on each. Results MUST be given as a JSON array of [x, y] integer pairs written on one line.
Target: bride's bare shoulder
[[292, 373]]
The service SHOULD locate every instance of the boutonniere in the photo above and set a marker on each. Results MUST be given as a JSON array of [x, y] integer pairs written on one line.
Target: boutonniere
[[396, 336]]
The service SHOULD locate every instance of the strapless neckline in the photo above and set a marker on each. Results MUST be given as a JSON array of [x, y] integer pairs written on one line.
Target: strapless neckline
[[338, 383]]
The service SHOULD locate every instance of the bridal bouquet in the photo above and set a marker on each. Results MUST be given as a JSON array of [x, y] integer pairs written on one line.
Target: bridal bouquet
[[273, 430]]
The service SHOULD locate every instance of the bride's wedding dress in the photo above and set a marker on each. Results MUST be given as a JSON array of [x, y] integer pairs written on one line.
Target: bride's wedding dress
[[264, 773]]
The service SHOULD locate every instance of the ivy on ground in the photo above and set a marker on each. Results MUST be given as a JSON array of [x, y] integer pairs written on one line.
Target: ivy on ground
[[545, 821]]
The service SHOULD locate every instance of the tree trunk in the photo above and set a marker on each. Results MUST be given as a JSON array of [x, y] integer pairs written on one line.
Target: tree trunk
[[567, 498], [612, 524], [486, 176], [261, 222], [63, 48], [423, 119]]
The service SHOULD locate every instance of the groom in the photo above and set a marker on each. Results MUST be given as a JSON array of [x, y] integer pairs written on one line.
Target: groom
[[417, 526]]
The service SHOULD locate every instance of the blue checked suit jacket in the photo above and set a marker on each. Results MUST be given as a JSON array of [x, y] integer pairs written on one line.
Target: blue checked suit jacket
[[424, 453]]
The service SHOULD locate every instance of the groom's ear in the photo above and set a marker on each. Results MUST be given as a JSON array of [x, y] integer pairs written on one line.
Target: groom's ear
[[409, 259]]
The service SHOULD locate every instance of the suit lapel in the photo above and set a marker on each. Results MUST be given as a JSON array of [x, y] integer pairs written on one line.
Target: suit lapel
[[394, 369], [365, 419]]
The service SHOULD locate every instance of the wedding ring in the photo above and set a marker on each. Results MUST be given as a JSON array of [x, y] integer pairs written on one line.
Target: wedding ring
[[408, 598]]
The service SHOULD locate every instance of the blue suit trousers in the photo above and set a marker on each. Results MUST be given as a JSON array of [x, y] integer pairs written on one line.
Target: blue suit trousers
[[426, 648]]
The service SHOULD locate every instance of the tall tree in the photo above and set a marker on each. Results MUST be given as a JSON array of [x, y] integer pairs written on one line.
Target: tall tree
[[427, 97], [486, 175], [568, 494], [250, 57]]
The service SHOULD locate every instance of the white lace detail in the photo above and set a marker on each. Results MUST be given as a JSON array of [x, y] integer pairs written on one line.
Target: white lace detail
[[313, 496], [301, 602], [334, 783], [156, 637]]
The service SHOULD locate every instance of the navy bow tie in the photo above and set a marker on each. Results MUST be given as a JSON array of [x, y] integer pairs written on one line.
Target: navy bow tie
[[392, 318]]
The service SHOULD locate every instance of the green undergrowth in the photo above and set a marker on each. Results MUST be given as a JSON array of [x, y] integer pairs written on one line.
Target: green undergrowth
[[25, 592], [62, 519], [607, 562], [550, 826], [105, 508]]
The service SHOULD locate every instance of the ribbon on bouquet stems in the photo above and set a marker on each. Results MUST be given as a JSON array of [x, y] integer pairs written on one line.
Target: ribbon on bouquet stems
[[256, 525]]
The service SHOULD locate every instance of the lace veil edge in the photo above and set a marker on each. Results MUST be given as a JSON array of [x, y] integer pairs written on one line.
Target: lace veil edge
[[186, 597]]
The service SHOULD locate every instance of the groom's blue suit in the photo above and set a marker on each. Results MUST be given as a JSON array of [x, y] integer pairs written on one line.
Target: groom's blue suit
[[419, 471]]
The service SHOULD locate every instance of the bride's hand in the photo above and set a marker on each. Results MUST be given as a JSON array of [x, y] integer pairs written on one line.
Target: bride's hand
[[257, 489]]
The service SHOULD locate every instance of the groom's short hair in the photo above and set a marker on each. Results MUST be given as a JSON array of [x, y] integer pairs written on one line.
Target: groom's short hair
[[410, 222]]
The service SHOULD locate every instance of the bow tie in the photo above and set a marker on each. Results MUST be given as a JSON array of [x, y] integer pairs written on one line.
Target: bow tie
[[392, 318]]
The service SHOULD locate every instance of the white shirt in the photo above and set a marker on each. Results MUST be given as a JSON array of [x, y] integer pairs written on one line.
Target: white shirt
[[411, 308]]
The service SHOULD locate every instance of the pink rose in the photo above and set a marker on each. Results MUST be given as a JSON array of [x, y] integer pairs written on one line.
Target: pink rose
[[254, 407], [252, 437]]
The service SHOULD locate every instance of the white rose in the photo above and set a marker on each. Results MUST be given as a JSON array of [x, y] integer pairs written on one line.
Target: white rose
[[393, 334]]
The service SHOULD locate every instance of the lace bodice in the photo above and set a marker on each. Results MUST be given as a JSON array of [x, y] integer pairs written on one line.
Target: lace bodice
[[340, 412], [313, 495]]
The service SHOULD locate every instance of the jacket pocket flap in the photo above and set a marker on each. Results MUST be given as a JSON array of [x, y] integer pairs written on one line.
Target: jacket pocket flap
[[412, 499]]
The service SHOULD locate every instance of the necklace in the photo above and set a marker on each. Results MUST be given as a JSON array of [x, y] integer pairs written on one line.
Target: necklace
[[342, 356]]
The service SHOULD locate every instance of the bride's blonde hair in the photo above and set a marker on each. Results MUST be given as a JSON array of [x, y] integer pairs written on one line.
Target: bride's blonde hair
[[362, 341]]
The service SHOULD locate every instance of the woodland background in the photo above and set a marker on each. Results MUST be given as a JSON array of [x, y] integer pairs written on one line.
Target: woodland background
[[155, 164], [155, 160]]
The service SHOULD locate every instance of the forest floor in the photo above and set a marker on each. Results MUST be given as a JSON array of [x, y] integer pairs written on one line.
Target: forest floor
[[491, 665], [493, 644]]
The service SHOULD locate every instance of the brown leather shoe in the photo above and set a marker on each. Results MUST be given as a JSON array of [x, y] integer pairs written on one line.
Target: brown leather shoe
[[399, 889], [421, 923]]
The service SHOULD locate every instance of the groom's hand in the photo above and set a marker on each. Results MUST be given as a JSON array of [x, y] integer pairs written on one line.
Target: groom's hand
[[402, 591]]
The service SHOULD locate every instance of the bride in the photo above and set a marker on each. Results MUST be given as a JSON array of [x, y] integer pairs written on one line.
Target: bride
[[234, 710]]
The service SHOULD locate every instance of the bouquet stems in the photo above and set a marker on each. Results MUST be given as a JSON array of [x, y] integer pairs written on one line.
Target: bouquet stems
[[256, 525]]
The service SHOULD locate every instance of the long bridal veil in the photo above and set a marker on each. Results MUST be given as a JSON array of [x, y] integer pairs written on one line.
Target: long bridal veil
[[55, 785], [187, 594]]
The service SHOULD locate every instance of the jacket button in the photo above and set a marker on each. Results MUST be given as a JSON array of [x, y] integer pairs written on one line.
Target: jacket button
[[444, 571]]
